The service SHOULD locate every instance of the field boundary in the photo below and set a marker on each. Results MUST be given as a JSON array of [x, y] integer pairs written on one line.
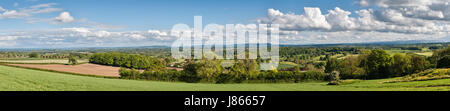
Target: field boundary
[[63, 72]]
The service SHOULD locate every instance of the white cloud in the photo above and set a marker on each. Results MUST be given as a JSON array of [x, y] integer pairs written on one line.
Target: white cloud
[[391, 20], [2, 9], [64, 17], [383, 20], [340, 20], [84, 37], [13, 14], [312, 19], [157, 32], [45, 5], [423, 9], [28, 11]]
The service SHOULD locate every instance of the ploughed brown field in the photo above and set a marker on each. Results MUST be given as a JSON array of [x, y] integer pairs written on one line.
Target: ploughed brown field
[[87, 69]]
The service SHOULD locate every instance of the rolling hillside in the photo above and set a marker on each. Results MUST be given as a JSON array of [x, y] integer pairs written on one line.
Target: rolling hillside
[[18, 79]]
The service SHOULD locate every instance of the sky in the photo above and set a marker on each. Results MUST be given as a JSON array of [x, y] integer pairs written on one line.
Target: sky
[[118, 23]]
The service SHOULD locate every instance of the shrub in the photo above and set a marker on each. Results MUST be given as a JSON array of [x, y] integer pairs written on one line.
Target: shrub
[[334, 78], [73, 60], [224, 78], [33, 55], [444, 62], [129, 74], [315, 75], [189, 77]]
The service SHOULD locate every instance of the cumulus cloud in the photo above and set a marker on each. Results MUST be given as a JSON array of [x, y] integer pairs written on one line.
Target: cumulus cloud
[[339, 19], [382, 20], [157, 32], [64, 17], [312, 19], [314, 37], [391, 20], [423, 9]]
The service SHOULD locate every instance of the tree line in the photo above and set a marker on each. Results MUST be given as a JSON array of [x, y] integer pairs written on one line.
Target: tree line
[[377, 63], [127, 60], [211, 71], [369, 64]]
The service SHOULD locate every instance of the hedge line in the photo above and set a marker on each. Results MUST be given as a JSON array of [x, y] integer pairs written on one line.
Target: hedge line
[[126, 60], [262, 77]]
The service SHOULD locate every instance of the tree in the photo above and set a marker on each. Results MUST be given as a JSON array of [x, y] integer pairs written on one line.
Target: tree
[[444, 62], [332, 65], [208, 68], [418, 64], [244, 70], [189, 73], [156, 65], [438, 55], [376, 64], [349, 68], [73, 60], [33, 55], [334, 78], [128, 61], [401, 64]]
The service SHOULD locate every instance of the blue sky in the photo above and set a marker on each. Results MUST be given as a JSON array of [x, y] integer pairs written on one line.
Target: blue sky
[[115, 23], [163, 14]]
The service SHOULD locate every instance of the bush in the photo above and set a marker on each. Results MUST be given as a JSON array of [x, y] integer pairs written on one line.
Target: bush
[[33, 55], [169, 75], [73, 60], [129, 74], [334, 78], [444, 62], [189, 77], [224, 78], [315, 75]]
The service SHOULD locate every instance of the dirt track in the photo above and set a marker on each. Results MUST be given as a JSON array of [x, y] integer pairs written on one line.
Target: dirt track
[[88, 69]]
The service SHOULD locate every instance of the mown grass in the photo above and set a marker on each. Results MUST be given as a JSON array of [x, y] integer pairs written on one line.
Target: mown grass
[[431, 74], [18, 79]]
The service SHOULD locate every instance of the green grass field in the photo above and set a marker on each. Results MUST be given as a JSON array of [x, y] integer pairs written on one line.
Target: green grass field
[[18, 79], [285, 65]]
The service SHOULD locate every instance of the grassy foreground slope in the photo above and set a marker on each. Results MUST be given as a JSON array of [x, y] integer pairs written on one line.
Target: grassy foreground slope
[[17, 79]]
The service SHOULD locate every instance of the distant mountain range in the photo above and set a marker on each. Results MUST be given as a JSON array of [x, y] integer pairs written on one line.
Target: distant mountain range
[[443, 40]]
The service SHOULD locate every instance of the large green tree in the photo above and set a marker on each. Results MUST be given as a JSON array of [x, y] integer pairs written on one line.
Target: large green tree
[[377, 64], [73, 60], [444, 62], [418, 64], [401, 65], [332, 65]]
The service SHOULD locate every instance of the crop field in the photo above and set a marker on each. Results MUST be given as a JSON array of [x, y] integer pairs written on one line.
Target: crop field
[[40, 61], [19, 79], [85, 69]]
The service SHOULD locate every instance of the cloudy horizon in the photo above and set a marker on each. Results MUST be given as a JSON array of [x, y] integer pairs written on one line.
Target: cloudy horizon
[[55, 24]]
